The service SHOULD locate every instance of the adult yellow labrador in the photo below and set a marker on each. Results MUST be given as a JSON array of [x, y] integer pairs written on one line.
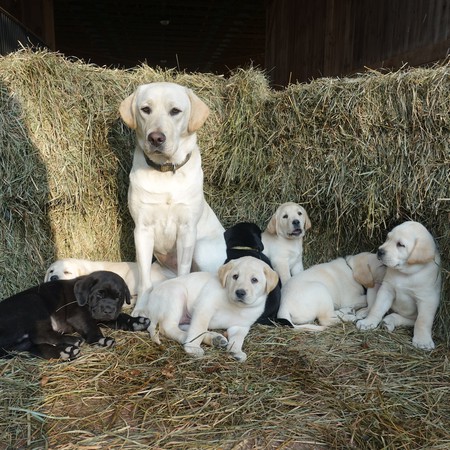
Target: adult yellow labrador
[[172, 219], [411, 287]]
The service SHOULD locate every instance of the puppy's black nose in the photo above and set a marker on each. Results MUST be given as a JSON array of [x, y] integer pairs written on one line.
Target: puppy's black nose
[[54, 278], [380, 253], [156, 138], [240, 294], [296, 222]]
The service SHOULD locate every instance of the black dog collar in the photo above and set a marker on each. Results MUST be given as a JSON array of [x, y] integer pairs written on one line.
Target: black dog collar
[[166, 167], [244, 248]]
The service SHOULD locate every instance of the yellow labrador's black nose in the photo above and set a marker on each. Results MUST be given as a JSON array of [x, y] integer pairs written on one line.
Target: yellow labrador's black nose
[[240, 294], [156, 138]]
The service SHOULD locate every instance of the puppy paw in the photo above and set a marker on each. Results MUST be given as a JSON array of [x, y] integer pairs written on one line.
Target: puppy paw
[[362, 313], [197, 352], [138, 323], [219, 341], [239, 356], [346, 314], [69, 352], [388, 323], [137, 312], [365, 325], [423, 344], [105, 342]]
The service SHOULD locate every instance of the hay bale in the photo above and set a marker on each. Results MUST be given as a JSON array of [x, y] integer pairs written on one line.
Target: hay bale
[[361, 154]]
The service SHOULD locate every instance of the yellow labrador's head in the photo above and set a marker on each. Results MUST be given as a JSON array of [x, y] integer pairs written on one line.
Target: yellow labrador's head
[[289, 221], [407, 244], [367, 269], [247, 280], [64, 269], [164, 115]]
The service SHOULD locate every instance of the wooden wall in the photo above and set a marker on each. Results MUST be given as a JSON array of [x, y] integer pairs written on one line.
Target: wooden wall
[[35, 15], [308, 39]]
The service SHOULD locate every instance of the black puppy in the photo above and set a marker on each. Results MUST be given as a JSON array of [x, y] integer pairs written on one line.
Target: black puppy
[[244, 239], [37, 320]]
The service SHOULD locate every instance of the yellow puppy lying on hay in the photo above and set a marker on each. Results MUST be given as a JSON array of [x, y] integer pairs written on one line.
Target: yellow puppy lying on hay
[[68, 268], [201, 301], [322, 290]]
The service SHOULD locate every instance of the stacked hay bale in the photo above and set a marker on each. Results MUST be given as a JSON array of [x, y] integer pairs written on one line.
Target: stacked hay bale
[[361, 154]]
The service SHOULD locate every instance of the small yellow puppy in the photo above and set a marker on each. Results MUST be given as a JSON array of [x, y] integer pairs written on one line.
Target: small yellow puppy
[[326, 292], [283, 239], [68, 268], [412, 285], [187, 307]]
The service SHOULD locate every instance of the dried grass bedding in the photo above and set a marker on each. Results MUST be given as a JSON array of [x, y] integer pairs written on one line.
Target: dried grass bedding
[[360, 154]]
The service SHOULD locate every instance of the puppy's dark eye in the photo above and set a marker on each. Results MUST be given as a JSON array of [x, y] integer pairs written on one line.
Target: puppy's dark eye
[[254, 280], [285, 216], [66, 272], [235, 276], [299, 213], [174, 111], [146, 110], [100, 294], [399, 244]]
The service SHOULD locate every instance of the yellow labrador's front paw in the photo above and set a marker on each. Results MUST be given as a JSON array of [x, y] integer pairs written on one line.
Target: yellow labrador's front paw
[[193, 350]]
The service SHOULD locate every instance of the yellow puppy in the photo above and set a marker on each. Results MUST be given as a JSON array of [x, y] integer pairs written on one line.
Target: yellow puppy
[[412, 285]]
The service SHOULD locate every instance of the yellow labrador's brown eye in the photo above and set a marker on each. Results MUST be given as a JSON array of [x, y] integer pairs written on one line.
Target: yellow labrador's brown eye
[[146, 110], [299, 213], [254, 280], [235, 276], [174, 111], [285, 216], [399, 244]]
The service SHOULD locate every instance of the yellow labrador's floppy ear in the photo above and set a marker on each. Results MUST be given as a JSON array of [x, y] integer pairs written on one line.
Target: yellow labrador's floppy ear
[[199, 112], [272, 225], [224, 271], [271, 278], [82, 288], [362, 271], [127, 112], [307, 220], [424, 251]]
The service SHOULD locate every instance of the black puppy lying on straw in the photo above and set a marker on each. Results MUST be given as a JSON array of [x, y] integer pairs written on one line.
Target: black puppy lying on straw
[[244, 239], [37, 320]]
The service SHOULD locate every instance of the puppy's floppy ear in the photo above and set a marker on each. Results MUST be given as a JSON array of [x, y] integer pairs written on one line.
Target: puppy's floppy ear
[[424, 251], [272, 225], [126, 293], [224, 271], [199, 112], [271, 278], [362, 269], [82, 288], [307, 220], [127, 111]]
